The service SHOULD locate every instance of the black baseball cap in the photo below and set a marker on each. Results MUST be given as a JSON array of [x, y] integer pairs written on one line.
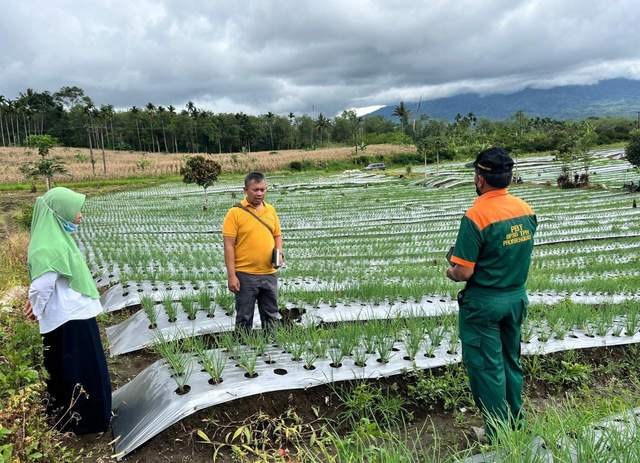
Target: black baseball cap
[[493, 161]]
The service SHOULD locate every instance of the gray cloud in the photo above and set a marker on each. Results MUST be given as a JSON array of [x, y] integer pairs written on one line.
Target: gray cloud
[[282, 56]]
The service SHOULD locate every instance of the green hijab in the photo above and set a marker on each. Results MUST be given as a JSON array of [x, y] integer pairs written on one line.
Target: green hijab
[[51, 248]]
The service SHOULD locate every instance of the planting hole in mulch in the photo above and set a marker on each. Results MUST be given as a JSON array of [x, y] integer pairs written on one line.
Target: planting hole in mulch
[[280, 371], [269, 361], [125, 294], [395, 349], [254, 375], [210, 315], [172, 320], [360, 364], [153, 326], [382, 361], [309, 367], [406, 357], [183, 390], [214, 382], [335, 365]]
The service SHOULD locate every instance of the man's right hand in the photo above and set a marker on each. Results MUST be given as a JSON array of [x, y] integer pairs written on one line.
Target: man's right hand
[[233, 283]]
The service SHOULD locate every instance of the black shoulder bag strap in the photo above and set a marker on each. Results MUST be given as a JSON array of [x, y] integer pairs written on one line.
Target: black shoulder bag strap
[[257, 218]]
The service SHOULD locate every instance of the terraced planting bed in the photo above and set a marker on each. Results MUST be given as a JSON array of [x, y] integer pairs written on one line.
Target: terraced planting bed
[[363, 294]]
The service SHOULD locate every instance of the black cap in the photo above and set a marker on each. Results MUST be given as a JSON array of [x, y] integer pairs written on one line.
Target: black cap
[[493, 161]]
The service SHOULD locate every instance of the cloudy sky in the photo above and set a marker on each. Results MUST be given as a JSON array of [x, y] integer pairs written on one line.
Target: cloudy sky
[[310, 56]]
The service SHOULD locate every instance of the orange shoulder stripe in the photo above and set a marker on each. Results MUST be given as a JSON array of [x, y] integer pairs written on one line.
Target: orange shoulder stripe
[[492, 210], [464, 263]]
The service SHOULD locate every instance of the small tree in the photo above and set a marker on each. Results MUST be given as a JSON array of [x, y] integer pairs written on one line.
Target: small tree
[[45, 167], [42, 142], [586, 140], [632, 151], [201, 171]]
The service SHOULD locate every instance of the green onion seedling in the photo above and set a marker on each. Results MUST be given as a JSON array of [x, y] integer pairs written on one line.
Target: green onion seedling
[[148, 305], [384, 346], [309, 358], [247, 359], [335, 354], [170, 308], [204, 301], [188, 305]]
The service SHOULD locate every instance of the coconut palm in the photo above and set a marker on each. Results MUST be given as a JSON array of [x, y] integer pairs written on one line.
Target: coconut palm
[[321, 124], [403, 113]]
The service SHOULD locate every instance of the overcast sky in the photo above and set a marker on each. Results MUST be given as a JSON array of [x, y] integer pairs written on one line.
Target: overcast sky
[[301, 56]]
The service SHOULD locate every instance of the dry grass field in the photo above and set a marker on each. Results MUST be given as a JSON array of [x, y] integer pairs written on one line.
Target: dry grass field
[[121, 164]]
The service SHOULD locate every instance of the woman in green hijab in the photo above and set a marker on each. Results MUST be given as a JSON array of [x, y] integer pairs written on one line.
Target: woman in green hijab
[[64, 299]]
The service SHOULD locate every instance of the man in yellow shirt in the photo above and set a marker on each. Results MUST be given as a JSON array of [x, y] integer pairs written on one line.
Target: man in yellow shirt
[[251, 231]]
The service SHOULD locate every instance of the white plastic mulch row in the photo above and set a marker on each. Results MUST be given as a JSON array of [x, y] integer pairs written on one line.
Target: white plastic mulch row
[[136, 332], [148, 404]]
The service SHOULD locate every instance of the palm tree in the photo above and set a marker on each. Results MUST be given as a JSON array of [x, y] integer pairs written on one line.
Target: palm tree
[[193, 112], [172, 113], [269, 117], [106, 113], [161, 114], [403, 113], [292, 118], [134, 113], [321, 124], [151, 111], [88, 110], [2, 107]]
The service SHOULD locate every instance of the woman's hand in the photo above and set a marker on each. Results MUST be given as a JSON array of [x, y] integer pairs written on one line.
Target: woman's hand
[[28, 311]]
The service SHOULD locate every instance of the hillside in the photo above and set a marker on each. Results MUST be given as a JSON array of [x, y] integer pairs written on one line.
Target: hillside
[[613, 97]]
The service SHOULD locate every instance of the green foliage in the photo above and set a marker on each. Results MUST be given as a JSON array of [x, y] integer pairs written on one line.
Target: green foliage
[[44, 167], [142, 164], [371, 402], [42, 142], [301, 165], [25, 434], [448, 387], [201, 171], [632, 151], [26, 214]]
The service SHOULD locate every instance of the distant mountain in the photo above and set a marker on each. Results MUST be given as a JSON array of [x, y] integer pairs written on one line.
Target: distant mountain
[[613, 97]]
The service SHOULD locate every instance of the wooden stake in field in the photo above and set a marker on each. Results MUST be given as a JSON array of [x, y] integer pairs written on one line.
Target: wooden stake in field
[[104, 159], [93, 160]]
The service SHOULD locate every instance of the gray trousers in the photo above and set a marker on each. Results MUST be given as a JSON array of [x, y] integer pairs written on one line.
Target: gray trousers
[[261, 288]]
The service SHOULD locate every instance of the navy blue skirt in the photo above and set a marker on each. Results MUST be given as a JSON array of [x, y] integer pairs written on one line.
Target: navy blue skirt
[[78, 384]]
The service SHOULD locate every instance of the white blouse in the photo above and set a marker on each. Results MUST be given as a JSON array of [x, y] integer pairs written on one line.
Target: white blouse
[[54, 303]]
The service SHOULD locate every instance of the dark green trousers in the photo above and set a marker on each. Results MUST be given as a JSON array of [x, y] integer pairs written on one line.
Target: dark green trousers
[[490, 334]]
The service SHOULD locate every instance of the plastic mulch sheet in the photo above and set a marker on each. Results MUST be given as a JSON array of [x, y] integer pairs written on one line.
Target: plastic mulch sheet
[[148, 404]]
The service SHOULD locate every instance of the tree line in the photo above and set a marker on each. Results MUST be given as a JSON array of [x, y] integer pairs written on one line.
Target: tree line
[[72, 118]]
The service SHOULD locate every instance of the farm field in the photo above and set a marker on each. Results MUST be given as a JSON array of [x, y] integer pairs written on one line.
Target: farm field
[[363, 293], [121, 164], [368, 356]]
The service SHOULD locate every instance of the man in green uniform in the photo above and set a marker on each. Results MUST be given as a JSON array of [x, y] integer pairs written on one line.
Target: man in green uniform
[[492, 254]]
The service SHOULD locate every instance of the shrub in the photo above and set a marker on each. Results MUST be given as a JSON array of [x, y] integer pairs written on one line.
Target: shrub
[[301, 165], [632, 151]]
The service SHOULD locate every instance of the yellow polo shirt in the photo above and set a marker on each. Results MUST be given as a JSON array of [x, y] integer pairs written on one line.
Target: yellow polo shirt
[[254, 243]]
